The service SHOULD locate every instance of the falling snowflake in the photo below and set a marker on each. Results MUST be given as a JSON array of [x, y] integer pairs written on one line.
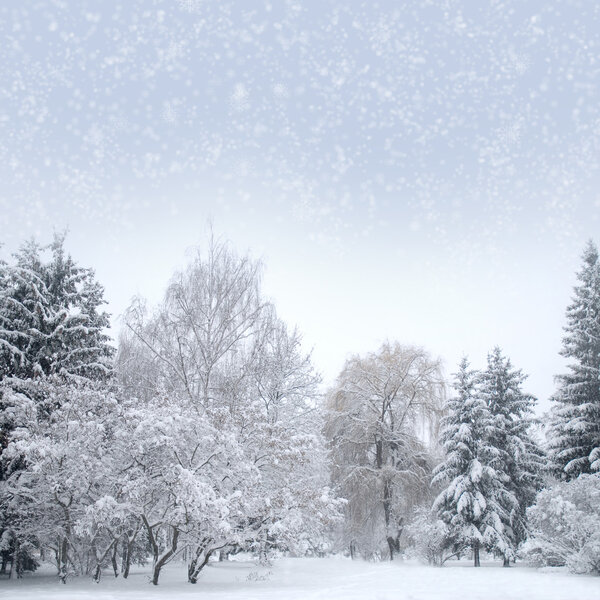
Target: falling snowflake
[[521, 63], [510, 133], [191, 6], [239, 97], [280, 91], [169, 112]]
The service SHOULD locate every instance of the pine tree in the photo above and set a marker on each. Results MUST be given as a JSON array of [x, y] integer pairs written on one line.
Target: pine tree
[[575, 427], [515, 453], [474, 502]]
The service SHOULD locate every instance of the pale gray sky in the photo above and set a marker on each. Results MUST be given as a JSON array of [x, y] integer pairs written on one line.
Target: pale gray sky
[[420, 171]]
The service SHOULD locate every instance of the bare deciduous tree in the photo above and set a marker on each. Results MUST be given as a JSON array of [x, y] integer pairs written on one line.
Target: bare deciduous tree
[[381, 424]]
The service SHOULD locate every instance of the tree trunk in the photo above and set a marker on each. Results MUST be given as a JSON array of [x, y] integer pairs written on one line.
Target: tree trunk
[[97, 573], [62, 569], [129, 540], [99, 560], [126, 561], [161, 561], [506, 562], [198, 563], [392, 541], [113, 559], [391, 546], [263, 550], [476, 554], [14, 565]]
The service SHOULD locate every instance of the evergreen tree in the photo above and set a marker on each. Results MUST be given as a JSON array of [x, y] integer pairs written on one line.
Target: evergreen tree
[[474, 503], [515, 453], [51, 320], [575, 427]]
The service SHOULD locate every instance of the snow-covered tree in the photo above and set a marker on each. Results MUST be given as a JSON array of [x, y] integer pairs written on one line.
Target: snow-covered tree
[[235, 457], [381, 421], [517, 455], [565, 525], [281, 425], [65, 448], [51, 326], [575, 428], [187, 480], [475, 501], [51, 317], [429, 537]]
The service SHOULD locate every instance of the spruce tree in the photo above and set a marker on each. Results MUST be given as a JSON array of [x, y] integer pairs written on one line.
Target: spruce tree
[[474, 502], [514, 452], [51, 317], [575, 425]]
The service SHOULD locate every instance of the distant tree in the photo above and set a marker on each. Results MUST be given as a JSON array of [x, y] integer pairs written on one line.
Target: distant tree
[[575, 423], [378, 413], [475, 500]]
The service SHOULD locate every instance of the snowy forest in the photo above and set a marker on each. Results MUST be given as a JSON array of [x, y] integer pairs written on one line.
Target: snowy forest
[[204, 433]]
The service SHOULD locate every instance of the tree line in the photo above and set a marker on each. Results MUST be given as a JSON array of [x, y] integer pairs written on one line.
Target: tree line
[[442, 473], [199, 434], [205, 433]]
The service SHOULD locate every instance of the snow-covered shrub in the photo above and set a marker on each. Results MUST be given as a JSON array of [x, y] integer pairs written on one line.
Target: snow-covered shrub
[[565, 526], [429, 537]]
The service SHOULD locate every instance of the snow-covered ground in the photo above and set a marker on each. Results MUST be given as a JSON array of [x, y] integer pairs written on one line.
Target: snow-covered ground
[[327, 579]]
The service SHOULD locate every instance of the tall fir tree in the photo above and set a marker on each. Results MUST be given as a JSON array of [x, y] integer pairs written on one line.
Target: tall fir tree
[[575, 422], [475, 501], [515, 452]]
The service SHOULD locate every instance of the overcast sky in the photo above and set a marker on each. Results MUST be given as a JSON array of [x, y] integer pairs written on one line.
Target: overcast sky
[[417, 171]]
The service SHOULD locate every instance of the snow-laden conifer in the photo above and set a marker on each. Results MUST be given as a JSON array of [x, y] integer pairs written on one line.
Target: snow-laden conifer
[[575, 426], [51, 317], [475, 501], [514, 451]]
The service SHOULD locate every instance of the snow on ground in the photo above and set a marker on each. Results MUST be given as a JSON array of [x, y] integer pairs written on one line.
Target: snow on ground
[[326, 579]]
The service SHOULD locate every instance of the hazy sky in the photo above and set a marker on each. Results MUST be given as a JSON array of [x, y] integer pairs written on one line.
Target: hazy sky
[[419, 171]]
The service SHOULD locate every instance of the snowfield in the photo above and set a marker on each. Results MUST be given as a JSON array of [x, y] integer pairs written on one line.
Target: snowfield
[[327, 579]]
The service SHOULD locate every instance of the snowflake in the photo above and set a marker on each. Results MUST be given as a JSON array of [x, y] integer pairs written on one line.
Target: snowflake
[[169, 112], [510, 133], [521, 63], [280, 91], [191, 6], [239, 97], [95, 135]]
